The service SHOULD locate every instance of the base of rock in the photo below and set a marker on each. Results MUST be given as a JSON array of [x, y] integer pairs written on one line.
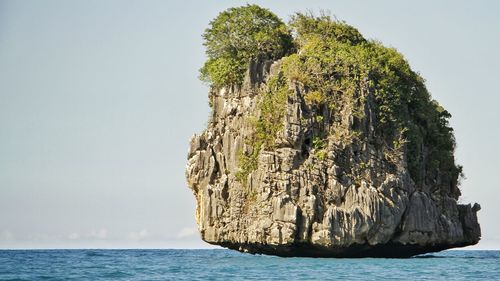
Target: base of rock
[[390, 250]]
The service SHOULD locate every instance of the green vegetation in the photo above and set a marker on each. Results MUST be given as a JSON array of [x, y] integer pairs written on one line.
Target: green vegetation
[[307, 26], [318, 146], [338, 71], [237, 36], [267, 125]]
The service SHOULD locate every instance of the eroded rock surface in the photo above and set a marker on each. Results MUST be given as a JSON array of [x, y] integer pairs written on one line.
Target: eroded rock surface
[[356, 198]]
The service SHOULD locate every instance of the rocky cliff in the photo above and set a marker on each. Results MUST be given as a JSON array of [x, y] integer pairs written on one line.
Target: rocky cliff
[[306, 157]]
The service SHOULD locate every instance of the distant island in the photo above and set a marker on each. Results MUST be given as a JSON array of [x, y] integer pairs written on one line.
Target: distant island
[[321, 143]]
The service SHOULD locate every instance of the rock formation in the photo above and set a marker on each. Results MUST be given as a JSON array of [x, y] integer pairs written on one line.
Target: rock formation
[[295, 165]]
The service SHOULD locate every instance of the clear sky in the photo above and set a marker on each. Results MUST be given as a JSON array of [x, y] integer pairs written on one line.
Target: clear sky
[[98, 101]]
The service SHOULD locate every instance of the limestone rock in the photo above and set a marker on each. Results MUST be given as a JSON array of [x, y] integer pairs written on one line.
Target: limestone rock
[[351, 202]]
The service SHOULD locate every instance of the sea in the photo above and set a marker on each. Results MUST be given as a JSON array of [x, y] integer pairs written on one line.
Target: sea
[[219, 264]]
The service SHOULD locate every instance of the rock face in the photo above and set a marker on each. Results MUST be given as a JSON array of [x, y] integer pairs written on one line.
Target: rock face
[[351, 198]]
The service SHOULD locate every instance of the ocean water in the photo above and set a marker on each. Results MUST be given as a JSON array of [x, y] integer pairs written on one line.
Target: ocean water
[[231, 265]]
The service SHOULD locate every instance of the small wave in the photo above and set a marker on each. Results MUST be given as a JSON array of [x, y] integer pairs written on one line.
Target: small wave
[[428, 257], [472, 256], [116, 274], [95, 254]]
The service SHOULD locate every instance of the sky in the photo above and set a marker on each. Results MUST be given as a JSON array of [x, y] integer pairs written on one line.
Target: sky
[[99, 98]]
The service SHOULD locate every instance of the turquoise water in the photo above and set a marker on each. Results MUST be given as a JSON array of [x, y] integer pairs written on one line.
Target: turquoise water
[[230, 265]]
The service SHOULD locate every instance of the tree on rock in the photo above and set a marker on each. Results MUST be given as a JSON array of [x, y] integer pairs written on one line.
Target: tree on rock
[[239, 35]]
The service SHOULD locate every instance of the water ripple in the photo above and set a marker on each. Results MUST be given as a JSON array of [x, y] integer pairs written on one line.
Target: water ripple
[[230, 265]]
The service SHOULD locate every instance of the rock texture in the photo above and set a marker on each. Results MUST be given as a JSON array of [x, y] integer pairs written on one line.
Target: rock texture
[[356, 200]]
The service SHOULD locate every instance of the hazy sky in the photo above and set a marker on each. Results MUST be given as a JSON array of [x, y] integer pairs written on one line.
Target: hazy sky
[[98, 101]]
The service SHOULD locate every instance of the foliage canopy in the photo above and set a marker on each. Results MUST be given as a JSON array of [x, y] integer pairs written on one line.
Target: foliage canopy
[[239, 35], [338, 68]]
